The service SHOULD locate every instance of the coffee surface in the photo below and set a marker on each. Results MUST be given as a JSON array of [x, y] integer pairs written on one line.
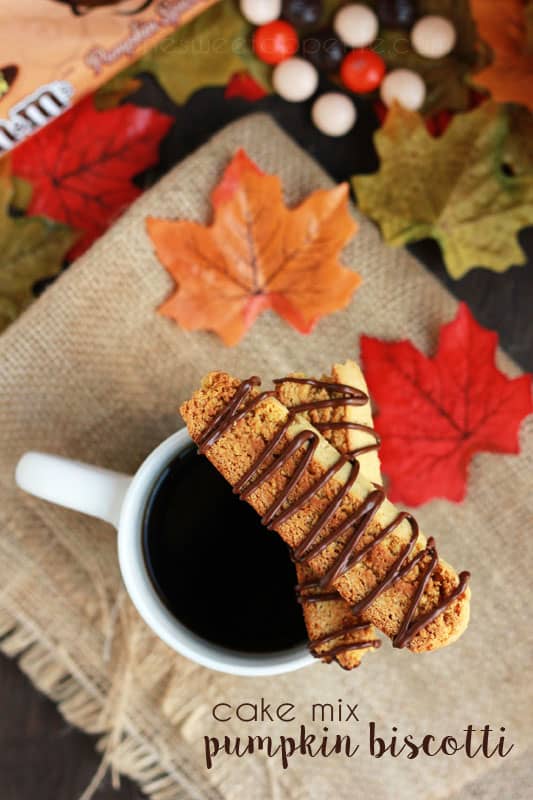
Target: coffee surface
[[215, 567]]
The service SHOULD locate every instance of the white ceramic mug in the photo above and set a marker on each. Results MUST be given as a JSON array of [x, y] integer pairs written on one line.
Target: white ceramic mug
[[121, 500]]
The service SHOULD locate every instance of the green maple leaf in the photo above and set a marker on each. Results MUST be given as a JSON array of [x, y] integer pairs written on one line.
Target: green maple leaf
[[112, 93], [202, 53], [206, 51], [31, 248], [260, 72], [453, 189], [518, 148], [21, 192]]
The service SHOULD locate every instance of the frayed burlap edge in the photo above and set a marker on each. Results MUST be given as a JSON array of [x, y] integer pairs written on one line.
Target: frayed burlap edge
[[83, 709]]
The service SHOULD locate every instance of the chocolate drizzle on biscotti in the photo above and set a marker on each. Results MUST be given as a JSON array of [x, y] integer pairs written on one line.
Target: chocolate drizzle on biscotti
[[342, 395], [310, 592], [315, 645], [355, 524]]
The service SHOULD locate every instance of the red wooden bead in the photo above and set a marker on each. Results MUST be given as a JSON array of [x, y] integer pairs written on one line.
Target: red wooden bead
[[362, 70], [275, 42]]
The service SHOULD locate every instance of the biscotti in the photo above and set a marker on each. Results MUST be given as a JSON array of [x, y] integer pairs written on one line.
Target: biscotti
[[334, 633], [329, 513], [344, 418]]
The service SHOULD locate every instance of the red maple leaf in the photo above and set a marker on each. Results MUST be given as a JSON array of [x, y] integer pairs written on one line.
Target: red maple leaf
[[436, 413], [81, 165], [242, 84]]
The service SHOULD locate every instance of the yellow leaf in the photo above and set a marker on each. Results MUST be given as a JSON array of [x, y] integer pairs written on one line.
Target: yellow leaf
[[453, 189]]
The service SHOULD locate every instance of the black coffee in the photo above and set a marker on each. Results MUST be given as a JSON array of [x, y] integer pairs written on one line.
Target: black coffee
[[215, 567]]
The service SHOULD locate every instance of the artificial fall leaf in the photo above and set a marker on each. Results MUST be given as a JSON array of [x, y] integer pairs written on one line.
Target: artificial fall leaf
[[81, 165], [452, 188], [434, 414], [31, 248], [435, 123], [518, 148], [115, 91], [240, 164], [243, 85], [258, 70], [507, 26], [21, 194], [257, 254], [206, 51]]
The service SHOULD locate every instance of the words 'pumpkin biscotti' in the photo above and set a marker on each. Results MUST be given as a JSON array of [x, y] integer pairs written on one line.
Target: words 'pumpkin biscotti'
[[333, 518]]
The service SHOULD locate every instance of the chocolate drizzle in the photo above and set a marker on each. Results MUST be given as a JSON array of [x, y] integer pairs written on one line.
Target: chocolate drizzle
[[345, 396], [355, 525], [310, 592], [347, 647]]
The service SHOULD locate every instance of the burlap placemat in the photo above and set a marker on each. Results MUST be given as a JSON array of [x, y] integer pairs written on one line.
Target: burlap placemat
[[91, 372]]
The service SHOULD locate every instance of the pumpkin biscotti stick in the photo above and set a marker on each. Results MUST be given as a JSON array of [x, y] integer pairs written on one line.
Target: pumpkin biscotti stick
[[334, 632], [338, 405], [329, 513]]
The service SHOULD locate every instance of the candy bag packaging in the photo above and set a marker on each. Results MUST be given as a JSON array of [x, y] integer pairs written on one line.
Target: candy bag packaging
[[52, 52]]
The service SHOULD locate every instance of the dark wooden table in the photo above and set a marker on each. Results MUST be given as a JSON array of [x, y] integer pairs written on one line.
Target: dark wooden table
[[41, 756]]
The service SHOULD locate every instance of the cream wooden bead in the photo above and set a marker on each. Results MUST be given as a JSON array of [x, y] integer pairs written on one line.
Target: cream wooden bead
[[405, 86], [334, 114], [433, 36], [259, 12], [356, 25], [295, 79]]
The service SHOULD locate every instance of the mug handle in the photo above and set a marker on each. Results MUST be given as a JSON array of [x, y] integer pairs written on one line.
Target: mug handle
[[73, 484]]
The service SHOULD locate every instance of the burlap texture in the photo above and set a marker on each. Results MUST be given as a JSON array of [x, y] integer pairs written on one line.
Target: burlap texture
[[92, 372]]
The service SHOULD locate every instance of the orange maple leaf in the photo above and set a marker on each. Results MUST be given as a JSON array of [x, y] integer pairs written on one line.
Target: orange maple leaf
[[257, 254], [506, 26], [240, 164]]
